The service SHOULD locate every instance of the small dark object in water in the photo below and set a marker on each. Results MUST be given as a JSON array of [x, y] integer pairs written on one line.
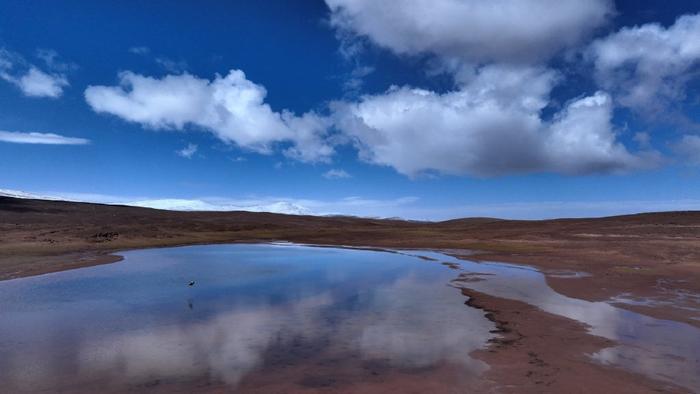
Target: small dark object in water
[[191, 284]]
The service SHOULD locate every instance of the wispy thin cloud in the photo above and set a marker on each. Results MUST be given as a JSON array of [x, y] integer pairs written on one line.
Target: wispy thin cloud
[[336, 174], [140, 50], [53, 61], [188, 151], [170, 65], [17, 137]]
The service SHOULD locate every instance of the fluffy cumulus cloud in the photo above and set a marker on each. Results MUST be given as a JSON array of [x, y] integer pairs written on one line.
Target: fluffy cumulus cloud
[[581, 139], [491, 126], [36, 83], [491, 123], [30, 79], [231, 107], [649, 66], [472, 30], [40, 138]]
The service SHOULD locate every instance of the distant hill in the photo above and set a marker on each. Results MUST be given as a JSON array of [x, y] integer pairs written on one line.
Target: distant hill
[[32, 229]]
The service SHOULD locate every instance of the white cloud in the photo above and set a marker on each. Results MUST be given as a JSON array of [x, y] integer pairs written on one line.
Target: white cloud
[[36, 83], [173, 204], [404, 207], [74, 197], [221, 352], [140, 50], [40, 138], [555, 209], [642, 138], [21, 194], [187, 151], [355, 80], [308, 133], [31, 80], [170, 65], [274, 205], [231, 107], [353, 205], [581, 139], [472, 30], [490, 126], [51, 59], [492, 122], [689, 148], [335, 173], [648, 67]]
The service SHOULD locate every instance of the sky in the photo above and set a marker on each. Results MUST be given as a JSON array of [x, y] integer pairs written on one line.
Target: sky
[[420, 109]]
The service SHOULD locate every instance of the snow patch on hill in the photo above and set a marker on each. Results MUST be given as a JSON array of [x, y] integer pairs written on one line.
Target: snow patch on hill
[[170, 204], [174, 204]]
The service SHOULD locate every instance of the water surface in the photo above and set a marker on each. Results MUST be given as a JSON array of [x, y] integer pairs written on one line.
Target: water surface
[[663, 350], [291, 318], [282, 317]]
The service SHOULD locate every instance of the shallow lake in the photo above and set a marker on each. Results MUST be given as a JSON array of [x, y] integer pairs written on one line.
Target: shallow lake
[[288, 318]]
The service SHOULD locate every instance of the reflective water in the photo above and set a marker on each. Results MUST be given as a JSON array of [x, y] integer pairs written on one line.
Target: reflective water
[[259, 317], [274, 318], [661, 349]]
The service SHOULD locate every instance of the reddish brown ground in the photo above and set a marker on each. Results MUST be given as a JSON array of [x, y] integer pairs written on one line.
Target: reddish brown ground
[[540, 352], [655, 256]]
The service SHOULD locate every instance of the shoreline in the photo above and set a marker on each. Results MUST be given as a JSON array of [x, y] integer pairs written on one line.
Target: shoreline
[[651, 260], [535, 351], [531, 351], [594, 286]]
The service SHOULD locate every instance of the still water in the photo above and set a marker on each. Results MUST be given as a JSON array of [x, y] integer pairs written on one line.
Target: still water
[[280, 318], [290, 318]]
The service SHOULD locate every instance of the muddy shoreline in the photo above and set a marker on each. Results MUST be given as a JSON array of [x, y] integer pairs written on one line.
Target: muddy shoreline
[[537, 352], [597, 284], [532, 351]]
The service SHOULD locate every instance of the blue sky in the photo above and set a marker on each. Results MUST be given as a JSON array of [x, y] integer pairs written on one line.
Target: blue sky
[[424, 110]]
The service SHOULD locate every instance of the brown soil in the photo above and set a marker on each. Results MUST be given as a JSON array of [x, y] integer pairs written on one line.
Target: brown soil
[[539, 352], [655, 256]]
